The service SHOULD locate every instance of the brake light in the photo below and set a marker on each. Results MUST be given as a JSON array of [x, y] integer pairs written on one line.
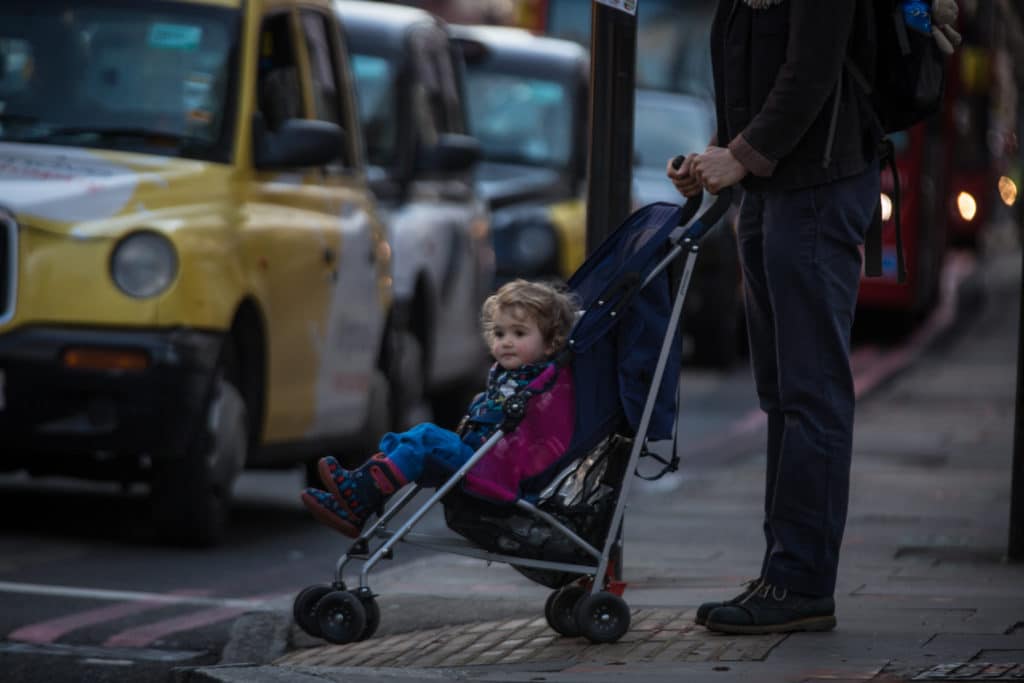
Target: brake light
[[967, 205], [1008, 191]]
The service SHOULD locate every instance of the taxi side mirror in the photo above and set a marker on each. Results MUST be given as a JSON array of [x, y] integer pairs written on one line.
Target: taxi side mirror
[[296, 143], [450, 154]]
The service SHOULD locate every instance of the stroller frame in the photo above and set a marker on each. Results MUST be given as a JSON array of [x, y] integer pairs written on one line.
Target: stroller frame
[[592, 606]]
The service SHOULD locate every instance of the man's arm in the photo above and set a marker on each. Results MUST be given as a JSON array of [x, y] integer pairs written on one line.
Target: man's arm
[[818, 35]]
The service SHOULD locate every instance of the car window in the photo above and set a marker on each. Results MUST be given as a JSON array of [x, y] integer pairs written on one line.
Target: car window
[[278, 89], [375, 92], [321, 64], [154, 78], [520, 119], [672, 41], [320, 47], [436, 94], [668, 126]]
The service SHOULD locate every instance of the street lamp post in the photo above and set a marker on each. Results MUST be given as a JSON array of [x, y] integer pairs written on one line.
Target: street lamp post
[[612, 84]]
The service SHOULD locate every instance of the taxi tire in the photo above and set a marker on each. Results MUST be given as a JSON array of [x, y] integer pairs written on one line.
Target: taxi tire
[[191, 495]]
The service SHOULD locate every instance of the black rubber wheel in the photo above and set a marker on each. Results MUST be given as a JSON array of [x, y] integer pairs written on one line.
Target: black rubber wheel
[[304, 608], [341, 617], [372, 617], [602, 617], [191, 494], [560, 608]]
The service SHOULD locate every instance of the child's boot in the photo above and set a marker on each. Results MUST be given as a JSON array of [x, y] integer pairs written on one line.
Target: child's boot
[[362, 491], [327, 511]]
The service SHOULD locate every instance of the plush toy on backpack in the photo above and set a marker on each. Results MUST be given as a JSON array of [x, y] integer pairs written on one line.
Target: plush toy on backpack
[[936, 21]]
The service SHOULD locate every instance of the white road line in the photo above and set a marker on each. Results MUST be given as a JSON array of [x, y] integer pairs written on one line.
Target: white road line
[[106, 655], [138, 596]]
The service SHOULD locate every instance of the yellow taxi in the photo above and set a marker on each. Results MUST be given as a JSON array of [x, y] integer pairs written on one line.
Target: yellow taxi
[[193, 276]]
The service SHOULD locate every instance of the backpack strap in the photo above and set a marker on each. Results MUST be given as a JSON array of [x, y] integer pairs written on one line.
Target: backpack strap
[[886, 156]]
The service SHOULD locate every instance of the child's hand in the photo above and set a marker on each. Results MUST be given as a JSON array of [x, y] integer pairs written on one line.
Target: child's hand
[[683, 178]]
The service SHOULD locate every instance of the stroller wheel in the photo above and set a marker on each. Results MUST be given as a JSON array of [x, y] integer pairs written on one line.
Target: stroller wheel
[[304, 608], [372, 614], [560, 607], [341, 617], [602, 617]]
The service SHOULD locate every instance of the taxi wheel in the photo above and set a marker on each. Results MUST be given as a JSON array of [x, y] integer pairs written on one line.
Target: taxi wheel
[[191, 494]]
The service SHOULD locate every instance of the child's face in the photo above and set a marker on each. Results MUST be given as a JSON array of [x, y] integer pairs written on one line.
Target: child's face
[[516, 340]]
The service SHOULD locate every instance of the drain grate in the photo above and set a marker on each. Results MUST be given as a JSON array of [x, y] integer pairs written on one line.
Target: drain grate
[[973, 671]]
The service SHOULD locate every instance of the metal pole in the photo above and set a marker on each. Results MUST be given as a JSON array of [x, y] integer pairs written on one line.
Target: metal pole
[[612, 83], [1015, 549]]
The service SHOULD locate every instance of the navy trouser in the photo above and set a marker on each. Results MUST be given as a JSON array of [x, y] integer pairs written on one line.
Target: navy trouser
[[801, 270]]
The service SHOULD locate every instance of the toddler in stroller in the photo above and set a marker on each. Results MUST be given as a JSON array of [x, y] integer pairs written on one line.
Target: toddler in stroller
[[544, 492], [524, 325]]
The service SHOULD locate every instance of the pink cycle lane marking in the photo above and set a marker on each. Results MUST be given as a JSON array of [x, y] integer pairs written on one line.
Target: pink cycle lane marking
[[51, 630], [143, 636]]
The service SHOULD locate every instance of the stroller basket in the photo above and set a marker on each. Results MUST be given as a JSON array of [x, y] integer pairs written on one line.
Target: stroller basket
[[581, 497], [559, 523]]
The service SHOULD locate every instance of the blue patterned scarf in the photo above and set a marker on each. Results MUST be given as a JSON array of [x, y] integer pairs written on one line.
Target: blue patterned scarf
[[485, 413]]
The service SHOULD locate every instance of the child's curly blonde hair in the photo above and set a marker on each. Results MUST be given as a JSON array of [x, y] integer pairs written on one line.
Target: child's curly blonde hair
[[553, 308]]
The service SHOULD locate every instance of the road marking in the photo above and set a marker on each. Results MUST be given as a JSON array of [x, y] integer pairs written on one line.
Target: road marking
[[132, 596], [51, 630], [95, 652], [149, 633]]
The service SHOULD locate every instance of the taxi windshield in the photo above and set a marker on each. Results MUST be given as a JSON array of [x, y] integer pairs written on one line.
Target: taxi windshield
[[519, 119], [151, 77]]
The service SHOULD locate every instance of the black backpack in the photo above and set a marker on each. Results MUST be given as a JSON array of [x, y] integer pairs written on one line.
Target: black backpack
[[909, 85]]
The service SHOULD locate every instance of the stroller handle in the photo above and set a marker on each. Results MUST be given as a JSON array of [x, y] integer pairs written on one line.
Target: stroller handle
[[709, 218]]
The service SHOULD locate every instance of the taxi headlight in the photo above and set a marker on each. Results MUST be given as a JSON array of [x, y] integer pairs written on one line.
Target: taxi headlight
[[144, 264], [534, 245]]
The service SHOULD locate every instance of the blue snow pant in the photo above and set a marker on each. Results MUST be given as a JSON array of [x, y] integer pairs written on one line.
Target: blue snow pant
[[426, 454], [801, 271]]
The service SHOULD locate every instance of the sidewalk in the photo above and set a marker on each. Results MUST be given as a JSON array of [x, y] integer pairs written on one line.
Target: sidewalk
[[923, 584]]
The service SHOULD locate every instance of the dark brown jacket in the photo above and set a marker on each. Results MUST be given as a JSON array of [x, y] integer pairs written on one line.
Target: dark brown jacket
[[777, 73]]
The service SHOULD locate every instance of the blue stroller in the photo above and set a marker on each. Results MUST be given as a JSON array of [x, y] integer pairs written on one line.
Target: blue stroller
[[558, 521]]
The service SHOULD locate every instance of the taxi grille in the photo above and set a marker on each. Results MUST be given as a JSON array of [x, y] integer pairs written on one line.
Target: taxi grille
[[8, 263]]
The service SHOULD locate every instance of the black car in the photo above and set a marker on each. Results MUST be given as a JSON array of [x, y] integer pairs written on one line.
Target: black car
[[528, 107]]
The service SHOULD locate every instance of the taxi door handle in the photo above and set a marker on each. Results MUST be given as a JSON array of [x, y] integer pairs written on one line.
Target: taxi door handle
[[330, 256]]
